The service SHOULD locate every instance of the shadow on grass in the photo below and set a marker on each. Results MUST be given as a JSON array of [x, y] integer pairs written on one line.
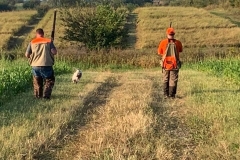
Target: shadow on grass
[[131, 27], [222, 15], [17, 39], [93, 100], [171, 128]]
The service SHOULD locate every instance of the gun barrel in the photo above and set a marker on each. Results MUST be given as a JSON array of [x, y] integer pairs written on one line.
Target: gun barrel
[[54, 24]]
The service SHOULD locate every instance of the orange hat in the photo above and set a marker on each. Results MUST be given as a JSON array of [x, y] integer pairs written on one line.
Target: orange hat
[[170, 31]]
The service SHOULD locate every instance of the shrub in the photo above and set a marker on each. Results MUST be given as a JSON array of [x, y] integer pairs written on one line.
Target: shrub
[[96, 28], [5, 7], [31, 4], [42, 10]]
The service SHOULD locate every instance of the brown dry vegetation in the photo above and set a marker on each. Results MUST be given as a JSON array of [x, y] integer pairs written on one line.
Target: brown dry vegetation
[[11, 23], [47, 23], [194, 27]]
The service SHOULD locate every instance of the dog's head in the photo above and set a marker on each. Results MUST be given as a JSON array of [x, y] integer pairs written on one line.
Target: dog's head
[[79, 73]]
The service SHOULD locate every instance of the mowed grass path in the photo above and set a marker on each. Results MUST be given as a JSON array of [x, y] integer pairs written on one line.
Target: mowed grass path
[[123, 116]]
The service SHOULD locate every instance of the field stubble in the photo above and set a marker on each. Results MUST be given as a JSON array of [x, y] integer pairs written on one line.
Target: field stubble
[[11, 23], [194, 27]]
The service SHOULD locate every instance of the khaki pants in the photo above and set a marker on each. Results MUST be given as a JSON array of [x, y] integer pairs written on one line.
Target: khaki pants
[[170, 79]]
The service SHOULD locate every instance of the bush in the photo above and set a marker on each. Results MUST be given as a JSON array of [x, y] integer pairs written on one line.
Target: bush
[[96, 28], [42, 10], [5, 7], [31, 4]]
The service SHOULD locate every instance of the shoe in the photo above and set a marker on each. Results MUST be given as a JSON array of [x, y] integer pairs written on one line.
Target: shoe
[[47, 98], [172, 96], [166, 96]]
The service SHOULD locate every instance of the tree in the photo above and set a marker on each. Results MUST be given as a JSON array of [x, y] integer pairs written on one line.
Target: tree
[[96, 28], [31, 4]]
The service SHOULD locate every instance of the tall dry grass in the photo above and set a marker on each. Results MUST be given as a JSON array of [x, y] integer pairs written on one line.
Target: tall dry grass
[[11, 23], [46, 24], [194, 27]]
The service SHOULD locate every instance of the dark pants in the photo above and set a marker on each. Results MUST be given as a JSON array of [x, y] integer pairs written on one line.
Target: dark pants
[[170, 79], [43, 81]]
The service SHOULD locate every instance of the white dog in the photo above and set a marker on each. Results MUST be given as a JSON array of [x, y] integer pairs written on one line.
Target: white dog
[[76, 76]]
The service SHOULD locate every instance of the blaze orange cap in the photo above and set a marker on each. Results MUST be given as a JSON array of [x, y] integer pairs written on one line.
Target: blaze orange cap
[[170, 31]]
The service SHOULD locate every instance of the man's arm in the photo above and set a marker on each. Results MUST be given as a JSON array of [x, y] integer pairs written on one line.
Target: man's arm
[[28, 51], [161, 47], [180, 48], [53, 48]]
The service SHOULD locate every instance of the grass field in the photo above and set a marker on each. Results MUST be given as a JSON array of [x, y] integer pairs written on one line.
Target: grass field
[[194, 27], [47, 23], [117, 111], [123, 116], [11, 23]]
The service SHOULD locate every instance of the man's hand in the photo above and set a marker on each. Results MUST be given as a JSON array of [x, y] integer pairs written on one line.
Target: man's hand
[[53, 51], [27, 55]]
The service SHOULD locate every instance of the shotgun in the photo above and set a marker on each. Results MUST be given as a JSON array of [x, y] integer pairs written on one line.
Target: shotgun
[[54, 23]]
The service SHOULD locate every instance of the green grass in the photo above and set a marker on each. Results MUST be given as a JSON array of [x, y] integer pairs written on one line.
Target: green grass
[[128, 120], [27, 124], [212, 113], [15, 77], [223, 68]]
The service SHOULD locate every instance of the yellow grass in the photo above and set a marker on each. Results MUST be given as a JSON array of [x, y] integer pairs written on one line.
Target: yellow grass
[[194, 27], [11, 22], [47, 23], [27, 123], [126, 118]]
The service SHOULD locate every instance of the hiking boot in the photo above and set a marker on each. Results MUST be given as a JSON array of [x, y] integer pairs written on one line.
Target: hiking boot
[[172, 96], [38, 86], [49, 83], [165, 90], [46, 98], [166, 96], [172, 91]]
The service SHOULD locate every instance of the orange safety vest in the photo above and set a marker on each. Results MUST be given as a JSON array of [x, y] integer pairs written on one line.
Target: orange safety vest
[[41, 52]]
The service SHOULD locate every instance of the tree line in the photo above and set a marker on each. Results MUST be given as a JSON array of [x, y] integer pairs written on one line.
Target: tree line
[[202, 3], [194, 3], [30, 4]]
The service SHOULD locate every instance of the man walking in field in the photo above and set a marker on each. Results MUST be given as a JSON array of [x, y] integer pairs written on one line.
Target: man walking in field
[[169, 50], [40, 53]]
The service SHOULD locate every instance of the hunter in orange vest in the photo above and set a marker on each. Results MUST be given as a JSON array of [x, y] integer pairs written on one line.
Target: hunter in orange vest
[[170, 76], [40, 53]]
